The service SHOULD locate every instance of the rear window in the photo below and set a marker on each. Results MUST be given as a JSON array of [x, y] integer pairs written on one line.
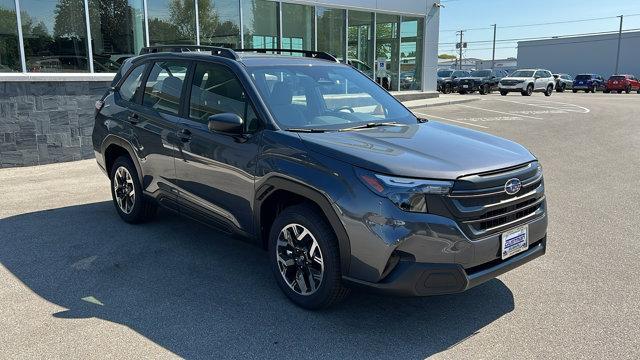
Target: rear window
[[618, 77], [583, 77]]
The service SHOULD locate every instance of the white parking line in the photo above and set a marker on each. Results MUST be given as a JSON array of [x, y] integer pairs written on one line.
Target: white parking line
[[455, 121], [584, 109], [500, 112]]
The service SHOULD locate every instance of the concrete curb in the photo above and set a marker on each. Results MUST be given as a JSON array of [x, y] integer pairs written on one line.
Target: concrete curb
[[414, 105]]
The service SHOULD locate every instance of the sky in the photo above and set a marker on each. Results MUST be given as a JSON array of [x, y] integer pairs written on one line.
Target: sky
[[478, 16]]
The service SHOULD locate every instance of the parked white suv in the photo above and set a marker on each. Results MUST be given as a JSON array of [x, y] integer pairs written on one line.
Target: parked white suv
[[528, 81]]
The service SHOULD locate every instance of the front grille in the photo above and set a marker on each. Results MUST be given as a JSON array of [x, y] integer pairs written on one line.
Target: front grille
[[482, 207], [509, 82]]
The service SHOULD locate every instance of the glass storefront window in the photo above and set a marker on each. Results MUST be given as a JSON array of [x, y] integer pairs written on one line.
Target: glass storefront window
[[117, 32], [171, 22], [297, 27], [9, 51], [55, 35], [219, 23], [260, 24], [387, 46], [411, 45], [361, 41], [331, 35]]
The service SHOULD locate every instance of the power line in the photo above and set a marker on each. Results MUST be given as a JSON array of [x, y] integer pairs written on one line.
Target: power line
[[548, 23], [543, 37]]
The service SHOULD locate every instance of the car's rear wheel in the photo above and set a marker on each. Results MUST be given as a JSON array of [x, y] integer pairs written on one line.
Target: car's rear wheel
[[606, 91], [549, 90], [485, 89], [126, 191], [619, 91], [562, 88], [594, 88], [528, 91], [305, 258], [504, 93], [575, 91], [628, 90]]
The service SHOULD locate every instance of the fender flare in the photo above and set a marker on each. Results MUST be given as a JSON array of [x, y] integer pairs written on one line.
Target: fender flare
[[279, 183], [126, 145]]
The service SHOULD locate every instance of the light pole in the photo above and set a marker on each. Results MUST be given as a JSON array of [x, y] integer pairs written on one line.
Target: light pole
[[493, 57], [619, 41]]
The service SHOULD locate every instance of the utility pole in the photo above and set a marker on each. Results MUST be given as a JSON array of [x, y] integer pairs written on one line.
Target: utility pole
[[493, 57], [619, 41], [460, 45]]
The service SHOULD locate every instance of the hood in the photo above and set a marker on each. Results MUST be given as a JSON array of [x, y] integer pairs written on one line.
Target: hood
[[430, 150], [473, 78], [517, 78]]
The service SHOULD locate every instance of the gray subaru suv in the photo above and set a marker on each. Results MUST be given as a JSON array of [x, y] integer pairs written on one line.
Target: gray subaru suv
[[313, 161]]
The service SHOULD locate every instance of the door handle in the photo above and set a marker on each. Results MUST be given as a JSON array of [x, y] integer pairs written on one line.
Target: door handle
[[184, 135], [133, 118]]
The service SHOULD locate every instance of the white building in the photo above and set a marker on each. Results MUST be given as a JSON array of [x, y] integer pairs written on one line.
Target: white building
[[583, 54]]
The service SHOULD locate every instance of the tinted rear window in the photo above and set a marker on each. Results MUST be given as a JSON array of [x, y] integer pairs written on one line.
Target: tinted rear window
[[583, 77], [617, 78]]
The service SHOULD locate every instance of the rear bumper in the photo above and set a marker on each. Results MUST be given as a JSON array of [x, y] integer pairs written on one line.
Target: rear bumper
[[423, 279]]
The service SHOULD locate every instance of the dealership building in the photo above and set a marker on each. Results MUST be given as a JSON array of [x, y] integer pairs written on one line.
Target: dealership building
[[591, 54], [51, 71]]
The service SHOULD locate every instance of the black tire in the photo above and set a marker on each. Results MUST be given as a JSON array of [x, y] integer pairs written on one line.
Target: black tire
[[606, 91], [504, 93], [638, 91], [575, 91], [447, 88], [594, 89], [587, 91], [549, 90], [620, 92], [462, 92], [331, 290], [143, 209], [628, 90], [485, 89], [562, 88], [529, 90]]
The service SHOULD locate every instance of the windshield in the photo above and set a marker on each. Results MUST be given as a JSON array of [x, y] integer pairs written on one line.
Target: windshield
[[460, 73], [522, 73], [445, 73], [481, 73], [583, 77], [325, 97]]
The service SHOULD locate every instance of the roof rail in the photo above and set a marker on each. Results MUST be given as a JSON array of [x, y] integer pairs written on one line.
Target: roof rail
[[215, 50], [307, 53]]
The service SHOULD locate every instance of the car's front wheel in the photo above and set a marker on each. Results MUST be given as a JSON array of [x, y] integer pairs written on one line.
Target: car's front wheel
[[447, 88], [528, 91], [503, 93], [126, 191], [305, 258]]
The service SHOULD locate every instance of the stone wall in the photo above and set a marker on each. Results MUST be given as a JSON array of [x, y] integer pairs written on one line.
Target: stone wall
[[44, 122]]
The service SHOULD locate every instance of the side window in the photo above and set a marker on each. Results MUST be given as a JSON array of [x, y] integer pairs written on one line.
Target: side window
[[164, 86], [538, 74], [216, 89], [131, 84]]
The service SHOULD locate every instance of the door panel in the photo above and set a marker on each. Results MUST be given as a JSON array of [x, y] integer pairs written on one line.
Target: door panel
[[216, 172]]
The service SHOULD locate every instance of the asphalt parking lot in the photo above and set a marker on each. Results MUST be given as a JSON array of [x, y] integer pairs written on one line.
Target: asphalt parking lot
[[76, 282]]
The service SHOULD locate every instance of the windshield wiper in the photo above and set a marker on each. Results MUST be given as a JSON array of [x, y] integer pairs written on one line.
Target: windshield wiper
[[371, 125], [306, 130]]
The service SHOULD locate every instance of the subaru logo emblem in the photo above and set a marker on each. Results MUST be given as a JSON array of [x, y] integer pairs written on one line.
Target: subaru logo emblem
[[512, 186]]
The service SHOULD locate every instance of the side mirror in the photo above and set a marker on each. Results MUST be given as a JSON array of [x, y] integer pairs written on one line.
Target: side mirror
[[227, 123]]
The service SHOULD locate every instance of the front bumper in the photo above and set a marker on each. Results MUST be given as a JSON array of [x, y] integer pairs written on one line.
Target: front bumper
[[423, 279], [510, 88]]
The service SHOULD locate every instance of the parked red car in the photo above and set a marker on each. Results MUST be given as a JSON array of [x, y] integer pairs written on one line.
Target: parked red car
[[620, 83]]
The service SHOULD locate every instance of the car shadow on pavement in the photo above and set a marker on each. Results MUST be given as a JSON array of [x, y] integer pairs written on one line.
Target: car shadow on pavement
[[202, 294]]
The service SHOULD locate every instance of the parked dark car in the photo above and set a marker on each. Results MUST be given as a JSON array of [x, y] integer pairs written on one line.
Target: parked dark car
[[620, 83], [448, 79], [319, 165], [563, 82], [483, 81], [588, 83]]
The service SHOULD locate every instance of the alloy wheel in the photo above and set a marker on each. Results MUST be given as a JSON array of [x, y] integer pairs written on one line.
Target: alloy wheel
[[125, 192], [300, 260]]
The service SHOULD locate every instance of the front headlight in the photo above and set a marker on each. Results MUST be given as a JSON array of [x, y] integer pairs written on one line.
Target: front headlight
[[408, 194]]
